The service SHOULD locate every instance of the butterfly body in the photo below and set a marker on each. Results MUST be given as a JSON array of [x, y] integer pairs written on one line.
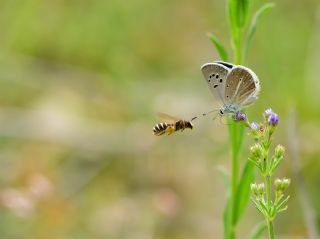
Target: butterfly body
[[228, 108], [233, 86]]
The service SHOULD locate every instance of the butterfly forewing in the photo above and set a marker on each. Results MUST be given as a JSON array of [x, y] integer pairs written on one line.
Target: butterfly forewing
[[215, 75], [242, 86]]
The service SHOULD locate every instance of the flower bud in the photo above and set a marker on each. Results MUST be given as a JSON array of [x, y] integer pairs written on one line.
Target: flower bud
[[254, 126], [240, 116], [281, 184], [277, 184], [254, 188], [285, 183], [267, 113], [279, 151], [257, 190], [273, 119], [256, 151], [261, 188]]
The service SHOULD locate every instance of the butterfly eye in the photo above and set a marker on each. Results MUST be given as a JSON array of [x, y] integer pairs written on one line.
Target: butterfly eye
[[220, 80], [217, 76]]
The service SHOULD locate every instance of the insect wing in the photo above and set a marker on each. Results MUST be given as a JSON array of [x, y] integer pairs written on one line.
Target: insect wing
[[242, 86], [215, 75], [167, 118]]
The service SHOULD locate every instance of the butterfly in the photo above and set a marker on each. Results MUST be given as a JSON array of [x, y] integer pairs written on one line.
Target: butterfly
[[233, 86]]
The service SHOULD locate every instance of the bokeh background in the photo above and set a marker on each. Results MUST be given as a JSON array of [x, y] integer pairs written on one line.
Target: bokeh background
[[80, 85]]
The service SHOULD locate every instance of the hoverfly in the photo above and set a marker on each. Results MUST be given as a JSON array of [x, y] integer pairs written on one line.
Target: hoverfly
[[171, 125]]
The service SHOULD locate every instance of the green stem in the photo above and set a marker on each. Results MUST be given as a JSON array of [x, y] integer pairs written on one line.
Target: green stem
[[270, 229], [269, 205], [234, 186], [238, 47], [236, 136], [268, 190]]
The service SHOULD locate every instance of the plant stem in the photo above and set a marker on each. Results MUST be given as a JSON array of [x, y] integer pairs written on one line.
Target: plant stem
[[268, 198], [236, 136], [234, 188], [268, 190], [237, 47], [270, 229], [233, 135]]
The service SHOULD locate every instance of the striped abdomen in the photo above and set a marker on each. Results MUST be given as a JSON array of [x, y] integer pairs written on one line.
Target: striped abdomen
[[160, 128], [169, 128]]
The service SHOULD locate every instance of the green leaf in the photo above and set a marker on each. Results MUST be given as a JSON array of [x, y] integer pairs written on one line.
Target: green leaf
[[258, 230], [232, 8], [243, 11], [282, 203], [238, 13], [253, 26], [243, 191], [257, 205], [219, 46]]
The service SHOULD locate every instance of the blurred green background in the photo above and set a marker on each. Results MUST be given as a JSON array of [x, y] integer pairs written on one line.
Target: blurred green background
[[80, 85]]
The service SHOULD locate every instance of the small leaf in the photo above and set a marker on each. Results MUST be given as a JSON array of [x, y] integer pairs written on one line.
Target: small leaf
[[262, 204], [257, 205], [275, 165], [238, 13], [280, 204], [257, 232], [219, 46], [243, 10], [232, 10], [243, 191], [253, 26], [283, 209]]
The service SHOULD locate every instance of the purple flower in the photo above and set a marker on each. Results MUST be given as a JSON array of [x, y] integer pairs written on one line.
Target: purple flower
[[240, 116], [254, 126], [273, 119], [267, 112]]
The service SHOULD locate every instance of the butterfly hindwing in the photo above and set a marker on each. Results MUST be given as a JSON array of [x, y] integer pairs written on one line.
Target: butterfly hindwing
[[215, 74], [242, 86]]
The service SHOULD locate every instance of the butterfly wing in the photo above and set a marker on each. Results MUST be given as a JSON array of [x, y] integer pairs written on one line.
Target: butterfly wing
[[242, 86], [215, 75]]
